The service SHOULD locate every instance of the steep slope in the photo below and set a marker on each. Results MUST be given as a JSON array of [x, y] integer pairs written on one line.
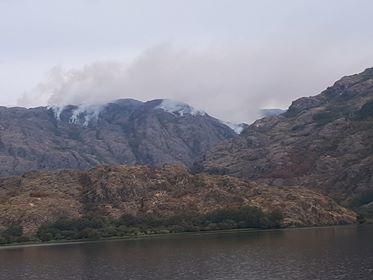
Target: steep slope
[[42, 197], [123, 132], [324, 142]]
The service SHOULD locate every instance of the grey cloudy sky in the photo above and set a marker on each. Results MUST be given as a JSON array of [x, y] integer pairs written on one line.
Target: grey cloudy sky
[[228, 57]]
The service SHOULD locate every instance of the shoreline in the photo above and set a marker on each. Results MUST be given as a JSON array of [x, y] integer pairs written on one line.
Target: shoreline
[[163, 235]]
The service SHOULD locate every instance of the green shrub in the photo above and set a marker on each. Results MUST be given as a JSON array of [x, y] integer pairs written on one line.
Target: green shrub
[[13, 231], [130, 225]]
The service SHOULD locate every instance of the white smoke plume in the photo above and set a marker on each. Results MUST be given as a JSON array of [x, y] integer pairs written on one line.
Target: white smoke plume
[[230, 83]]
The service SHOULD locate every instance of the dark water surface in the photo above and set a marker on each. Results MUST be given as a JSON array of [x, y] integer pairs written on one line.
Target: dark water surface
[[318, 253]]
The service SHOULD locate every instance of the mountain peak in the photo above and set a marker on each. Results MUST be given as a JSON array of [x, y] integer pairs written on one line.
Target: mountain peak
[[84, 114], [178, 108], [124, 131]]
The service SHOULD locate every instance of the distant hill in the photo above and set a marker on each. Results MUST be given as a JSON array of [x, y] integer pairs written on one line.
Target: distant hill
[[271, 112], [122, 132]]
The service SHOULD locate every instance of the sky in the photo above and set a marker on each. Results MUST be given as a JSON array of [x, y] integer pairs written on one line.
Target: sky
[[227, 57]]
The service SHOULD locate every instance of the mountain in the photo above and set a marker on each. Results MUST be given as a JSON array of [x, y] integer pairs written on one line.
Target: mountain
[[122, 132], [271, 112], [41, 197], [323, 142]]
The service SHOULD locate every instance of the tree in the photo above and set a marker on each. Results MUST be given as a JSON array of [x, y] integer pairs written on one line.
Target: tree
[[13, 231], [12, 234]]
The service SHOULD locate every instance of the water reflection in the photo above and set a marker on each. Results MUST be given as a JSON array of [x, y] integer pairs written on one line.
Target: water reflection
[[322, 253]]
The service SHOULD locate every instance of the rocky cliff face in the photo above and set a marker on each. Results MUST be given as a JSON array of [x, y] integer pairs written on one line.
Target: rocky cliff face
[[123, 132], [324, 142], [42, 197]]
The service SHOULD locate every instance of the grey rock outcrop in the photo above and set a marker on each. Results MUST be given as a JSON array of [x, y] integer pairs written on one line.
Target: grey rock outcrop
[[122, 132]]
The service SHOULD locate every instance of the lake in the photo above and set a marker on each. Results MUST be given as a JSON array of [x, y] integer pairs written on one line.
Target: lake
[[314, 253]]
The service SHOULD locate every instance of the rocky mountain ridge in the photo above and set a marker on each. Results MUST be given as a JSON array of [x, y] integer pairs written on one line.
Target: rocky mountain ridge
[[122, 132], [323, 142]]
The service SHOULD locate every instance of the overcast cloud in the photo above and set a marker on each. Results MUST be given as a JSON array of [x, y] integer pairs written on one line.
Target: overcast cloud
[[229, 58]]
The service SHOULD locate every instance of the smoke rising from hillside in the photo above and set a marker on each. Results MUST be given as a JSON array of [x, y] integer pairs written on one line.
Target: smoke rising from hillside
[[229, 83]]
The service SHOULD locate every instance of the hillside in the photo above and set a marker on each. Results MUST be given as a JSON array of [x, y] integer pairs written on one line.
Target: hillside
[[123, 132], [323, 142], [38, 198]]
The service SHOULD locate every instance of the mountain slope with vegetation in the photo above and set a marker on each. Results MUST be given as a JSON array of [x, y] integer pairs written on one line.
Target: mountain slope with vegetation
[[157, 198], [323, 142]]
